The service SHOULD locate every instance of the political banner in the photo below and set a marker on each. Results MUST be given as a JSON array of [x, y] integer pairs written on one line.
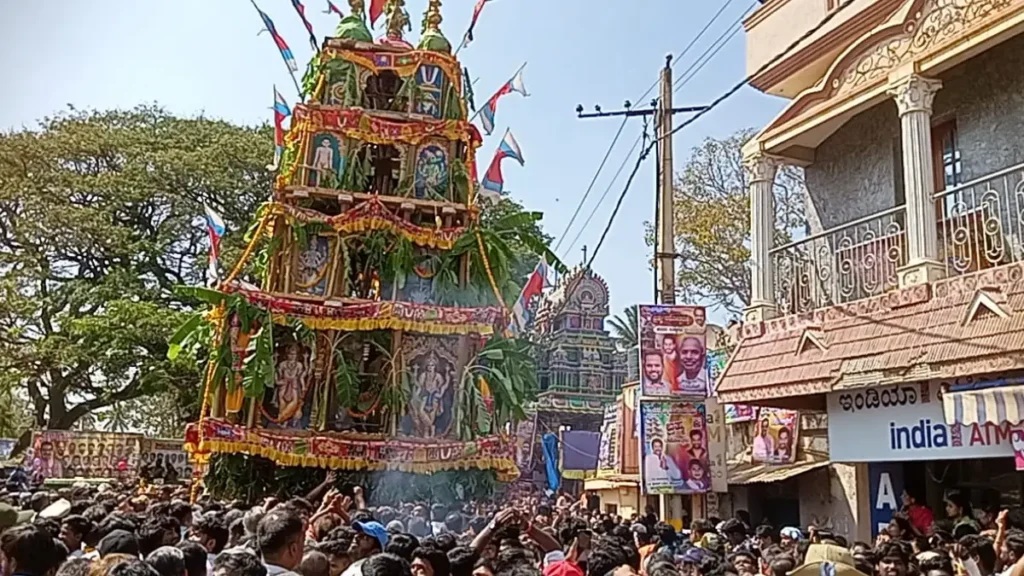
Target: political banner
[[673, 356], [525, 440], [70, 454], [674, 444], [608, 452], [775, 436], [165, 459], [736, 413], [717, 445]]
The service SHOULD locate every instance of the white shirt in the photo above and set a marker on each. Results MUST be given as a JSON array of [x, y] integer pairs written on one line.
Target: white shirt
[[764, 447], [354, 569], [697, 385], [654, 472], [659, 388], [274, 570]]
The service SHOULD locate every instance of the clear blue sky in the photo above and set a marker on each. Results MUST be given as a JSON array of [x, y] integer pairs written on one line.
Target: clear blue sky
[[204, 56]]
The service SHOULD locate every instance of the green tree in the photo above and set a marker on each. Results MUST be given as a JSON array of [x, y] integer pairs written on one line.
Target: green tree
[[625, 328], [99, 220], [712, 222]]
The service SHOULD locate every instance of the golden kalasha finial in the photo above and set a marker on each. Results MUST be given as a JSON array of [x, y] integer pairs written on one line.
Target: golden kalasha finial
[[398, 20], [432, 17], [356, 6]]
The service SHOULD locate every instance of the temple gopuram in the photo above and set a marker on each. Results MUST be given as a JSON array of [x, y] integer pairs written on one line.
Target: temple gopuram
[[364, 328], [579, 369]]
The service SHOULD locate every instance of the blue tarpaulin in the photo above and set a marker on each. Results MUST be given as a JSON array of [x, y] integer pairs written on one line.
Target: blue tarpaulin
[[549, 443]]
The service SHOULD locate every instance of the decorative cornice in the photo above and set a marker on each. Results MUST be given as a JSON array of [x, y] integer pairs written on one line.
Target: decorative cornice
[[855, 27], [928, 28], [914, 94]]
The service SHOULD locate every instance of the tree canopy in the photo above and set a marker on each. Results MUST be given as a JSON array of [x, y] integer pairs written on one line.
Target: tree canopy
[[712, 222], [99, 220]]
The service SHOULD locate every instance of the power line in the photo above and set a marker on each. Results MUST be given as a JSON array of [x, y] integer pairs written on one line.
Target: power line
[[711, 51], [771, 62], [591, 186], [690, 45], [636, 167], [618, 172], [615, 140]]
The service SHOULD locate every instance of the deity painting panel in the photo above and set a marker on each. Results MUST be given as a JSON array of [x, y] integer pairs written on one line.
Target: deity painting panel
[[288, 404], [430, 79], [432, 172], [430, 365], [428, 76], [326, 162], [312, 266]]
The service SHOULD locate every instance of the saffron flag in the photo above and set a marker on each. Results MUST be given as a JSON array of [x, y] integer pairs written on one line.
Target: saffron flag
[[332, 9], [472, 23], [376, 9], [491, 107], [535, 284], [509, 148], [215, 226], [281, 111], [282, 46], [309, 27]]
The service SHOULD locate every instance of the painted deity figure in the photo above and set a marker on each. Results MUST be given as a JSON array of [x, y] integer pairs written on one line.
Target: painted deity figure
[[288, 386], [312, 260], [323, 160], [431, 387]]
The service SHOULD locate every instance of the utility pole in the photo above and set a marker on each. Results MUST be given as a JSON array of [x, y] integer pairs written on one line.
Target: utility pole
[[662, 111], [665, 254]]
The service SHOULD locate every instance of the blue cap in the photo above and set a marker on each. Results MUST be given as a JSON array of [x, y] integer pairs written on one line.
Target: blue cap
[[374, 529]]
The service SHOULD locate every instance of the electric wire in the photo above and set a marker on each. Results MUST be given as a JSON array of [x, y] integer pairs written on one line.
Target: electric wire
[[618, 134], [726, 95]]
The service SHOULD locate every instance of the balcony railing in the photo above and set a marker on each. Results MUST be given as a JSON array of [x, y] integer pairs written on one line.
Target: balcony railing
[[981, 222], [980, 225], [847, 263]]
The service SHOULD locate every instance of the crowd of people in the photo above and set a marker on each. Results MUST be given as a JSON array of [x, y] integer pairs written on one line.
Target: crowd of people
[[105, 531]]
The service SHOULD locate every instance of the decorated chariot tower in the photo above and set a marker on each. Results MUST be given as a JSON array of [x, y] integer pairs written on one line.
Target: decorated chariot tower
[[364, 328]]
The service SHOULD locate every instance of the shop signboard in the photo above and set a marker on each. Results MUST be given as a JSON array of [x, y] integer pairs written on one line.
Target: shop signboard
[[608, 452], [905, 423], [673, 356], [717, 446], [885, 481], [674, 448]]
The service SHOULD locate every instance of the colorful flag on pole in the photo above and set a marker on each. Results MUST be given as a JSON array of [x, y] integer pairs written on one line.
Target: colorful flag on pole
[[509, 148], [472, 23], [215, 226], [281, 111], [491, 107], [282, 46], [309, 27], [332, 9], [534, 287], [376, 9]]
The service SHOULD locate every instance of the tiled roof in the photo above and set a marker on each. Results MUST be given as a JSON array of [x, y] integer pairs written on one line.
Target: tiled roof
[[941, 330]]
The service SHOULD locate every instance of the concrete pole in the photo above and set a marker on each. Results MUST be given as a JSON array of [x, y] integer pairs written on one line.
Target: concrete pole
[[666, 219]]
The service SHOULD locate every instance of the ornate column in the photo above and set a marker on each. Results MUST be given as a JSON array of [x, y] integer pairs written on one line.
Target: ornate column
[[914, 95], [760, 170]]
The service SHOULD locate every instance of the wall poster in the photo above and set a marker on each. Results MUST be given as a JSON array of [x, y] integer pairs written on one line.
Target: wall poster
[[674, 444]]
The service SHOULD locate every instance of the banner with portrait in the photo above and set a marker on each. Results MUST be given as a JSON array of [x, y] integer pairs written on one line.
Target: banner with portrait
[[775, 436], [70, 454], [525, 439], [673, 356], [165, 459], [608, 451], [674, 448], [736, 413]]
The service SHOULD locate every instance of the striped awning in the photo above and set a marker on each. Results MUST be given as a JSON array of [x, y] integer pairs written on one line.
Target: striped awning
[[986, 405]]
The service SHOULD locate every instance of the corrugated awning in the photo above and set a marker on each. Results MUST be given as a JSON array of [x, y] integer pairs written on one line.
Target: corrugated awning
[[985, 405], [757, 473]]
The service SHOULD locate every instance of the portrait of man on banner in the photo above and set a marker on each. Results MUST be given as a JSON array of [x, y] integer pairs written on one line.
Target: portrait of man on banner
[[674, 444], [673, 352]]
